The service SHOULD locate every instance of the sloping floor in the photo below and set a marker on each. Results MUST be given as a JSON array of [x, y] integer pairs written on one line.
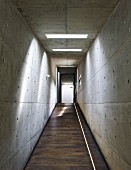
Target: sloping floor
[[62, 146]]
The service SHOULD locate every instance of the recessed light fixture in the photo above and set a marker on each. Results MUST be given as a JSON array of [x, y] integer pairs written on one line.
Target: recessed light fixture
[[67, 66], [75, 50], [67, 36]]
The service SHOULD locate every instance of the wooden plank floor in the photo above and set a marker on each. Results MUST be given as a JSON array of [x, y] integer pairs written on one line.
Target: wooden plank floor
[[98, 159], [61, 146]]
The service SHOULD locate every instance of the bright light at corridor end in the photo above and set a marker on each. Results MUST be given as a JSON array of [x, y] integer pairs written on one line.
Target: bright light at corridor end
[[75, 50], [67, 36]]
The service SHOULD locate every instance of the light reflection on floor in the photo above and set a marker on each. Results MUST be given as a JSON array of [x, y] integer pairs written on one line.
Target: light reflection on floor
[[61, 112]]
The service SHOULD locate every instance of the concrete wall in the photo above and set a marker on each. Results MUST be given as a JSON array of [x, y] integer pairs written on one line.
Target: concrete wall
[[105, 93], [27, 97]]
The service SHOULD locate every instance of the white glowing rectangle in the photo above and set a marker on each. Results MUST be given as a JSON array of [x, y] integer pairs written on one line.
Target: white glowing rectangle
[[66, 66], [67, 36], [75, 50]]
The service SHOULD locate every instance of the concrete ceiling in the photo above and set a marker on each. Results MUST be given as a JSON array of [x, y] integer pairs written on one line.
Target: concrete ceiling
[[66, 16]]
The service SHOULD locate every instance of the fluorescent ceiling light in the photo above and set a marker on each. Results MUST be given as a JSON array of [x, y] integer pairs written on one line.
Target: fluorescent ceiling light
[[67, 36], [77, 50], [66, 66]]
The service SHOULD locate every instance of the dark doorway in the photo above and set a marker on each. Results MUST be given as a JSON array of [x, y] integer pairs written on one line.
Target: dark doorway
[[66, 84]]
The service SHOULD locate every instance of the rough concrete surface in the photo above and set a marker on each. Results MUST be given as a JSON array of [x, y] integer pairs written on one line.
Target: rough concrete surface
[[105, 92], [66, 16], [27, 96]]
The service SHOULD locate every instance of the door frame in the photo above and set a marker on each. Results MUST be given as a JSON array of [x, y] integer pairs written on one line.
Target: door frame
[[58, 79], [61, 87]]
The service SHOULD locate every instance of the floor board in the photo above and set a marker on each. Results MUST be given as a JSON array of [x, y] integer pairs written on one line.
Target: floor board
[[61, 146]]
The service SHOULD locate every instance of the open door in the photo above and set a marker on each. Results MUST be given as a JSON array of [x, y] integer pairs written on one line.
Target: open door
[[67, 93], [66, 84]]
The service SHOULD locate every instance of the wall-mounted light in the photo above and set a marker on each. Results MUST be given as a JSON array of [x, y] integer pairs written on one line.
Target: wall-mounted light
[[80, 77], [47, 76], [79, 80]]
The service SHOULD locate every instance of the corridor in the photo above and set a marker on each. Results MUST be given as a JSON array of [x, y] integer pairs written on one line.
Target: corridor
[[54, 52], [62, 145]]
